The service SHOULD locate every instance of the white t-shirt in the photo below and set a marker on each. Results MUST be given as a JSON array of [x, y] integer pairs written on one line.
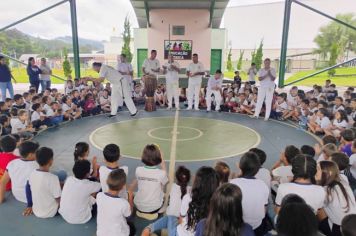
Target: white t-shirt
[[324, 122], [104, 172], [127, 68], [342, 124], [17, 125], [352, 162], [281, 107], [112, 213], [19, 171], [194, 68], [212, 82], [338, 108], [103, 100], [313, 195], [283, 174], [252, 74], [175, 200], [36, 116], [172, 75], [182, 227], [267, 82], [149, 196], [255, 197], [65, 108], [336, 208], [45, 189], [110, 74], [292, 101], [264, 175], [76, 200], [151, 65]]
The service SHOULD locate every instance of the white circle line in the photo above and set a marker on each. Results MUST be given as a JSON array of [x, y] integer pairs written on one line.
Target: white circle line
[[149, 133], [258, 141]]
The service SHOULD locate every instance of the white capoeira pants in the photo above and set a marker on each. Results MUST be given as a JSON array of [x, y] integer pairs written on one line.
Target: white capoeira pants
[[121, 92], [172, 87], [194, 86], [264, 95], [217, 96]]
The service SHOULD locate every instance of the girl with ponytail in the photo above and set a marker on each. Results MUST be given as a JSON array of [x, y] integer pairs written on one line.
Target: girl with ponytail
[[339, 202], [303, 184], [178, 191], [81, 152]]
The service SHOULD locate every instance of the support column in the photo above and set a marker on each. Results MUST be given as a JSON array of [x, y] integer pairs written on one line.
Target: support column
[[73, 14], [283, 57]]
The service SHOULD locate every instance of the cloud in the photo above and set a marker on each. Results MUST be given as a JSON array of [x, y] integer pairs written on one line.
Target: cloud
[[96, 18]]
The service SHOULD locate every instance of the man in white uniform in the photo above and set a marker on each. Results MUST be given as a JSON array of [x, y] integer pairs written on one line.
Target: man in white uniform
[[195, 72], [125, 68], [151, 65], [171, 70], [266, 76], [214, 87], [120, 88]]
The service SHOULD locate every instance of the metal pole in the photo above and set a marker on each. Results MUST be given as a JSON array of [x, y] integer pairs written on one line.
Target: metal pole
[[324, 14], [33, 15], [321, 71], [283, 56], [73, 14]]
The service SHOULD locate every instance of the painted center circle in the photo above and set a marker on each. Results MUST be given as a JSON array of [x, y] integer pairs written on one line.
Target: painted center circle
[[197, 139], [183, 133]]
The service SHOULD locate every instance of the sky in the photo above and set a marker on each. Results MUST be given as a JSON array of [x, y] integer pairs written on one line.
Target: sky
[[96, 18]]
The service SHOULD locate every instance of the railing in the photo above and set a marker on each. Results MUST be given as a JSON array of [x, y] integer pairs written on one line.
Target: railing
[[321, 71], [23, 63]]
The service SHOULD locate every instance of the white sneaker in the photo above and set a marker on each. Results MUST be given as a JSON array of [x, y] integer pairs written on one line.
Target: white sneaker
[[189, 108], [266, 119], [253, 117], [197, 109], [169, 108]]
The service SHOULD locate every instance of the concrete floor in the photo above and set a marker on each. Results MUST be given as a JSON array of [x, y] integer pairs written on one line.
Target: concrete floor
[[274, 137]]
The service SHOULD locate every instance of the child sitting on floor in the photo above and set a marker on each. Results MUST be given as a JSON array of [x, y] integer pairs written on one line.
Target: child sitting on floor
[[150, 180], [43, 190], [77, 196], [19, 170], [8, 146], [112, 155], [113, 210], [81, 152]]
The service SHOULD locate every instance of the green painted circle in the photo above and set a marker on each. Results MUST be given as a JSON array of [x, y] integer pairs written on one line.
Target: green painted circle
[[197, 138]]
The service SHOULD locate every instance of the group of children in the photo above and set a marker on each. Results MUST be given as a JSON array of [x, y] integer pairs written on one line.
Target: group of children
[[313, 190]]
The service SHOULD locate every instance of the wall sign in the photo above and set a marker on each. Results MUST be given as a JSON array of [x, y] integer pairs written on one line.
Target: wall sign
[[180, 49]]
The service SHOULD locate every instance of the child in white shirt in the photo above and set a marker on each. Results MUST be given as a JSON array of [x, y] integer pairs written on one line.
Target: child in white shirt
[[150, 181], [78, 194], [263, 173], [43, 189], [178, 190], [113, 210], [20, 124], [111, 157], [19, 170], [282, 169]]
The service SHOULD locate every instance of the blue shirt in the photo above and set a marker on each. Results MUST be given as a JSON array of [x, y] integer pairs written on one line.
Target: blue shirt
[[246, 229], [34, 73], [5, 74]]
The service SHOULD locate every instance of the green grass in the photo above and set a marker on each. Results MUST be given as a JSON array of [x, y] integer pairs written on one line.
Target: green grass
[[346, 81], [21, 76], [320, 79]]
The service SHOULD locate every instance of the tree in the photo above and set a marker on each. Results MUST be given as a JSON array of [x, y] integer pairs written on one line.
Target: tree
[[336, 33], [259, 55], [66, 65], [127, 40], [253, 55], [229, 62], [334, 52], [239, 62]]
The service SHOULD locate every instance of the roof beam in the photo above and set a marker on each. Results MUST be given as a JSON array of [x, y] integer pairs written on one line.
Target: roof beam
[[147, 13], [212, 6]]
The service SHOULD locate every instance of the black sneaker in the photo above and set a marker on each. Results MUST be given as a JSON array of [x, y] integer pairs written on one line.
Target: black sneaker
[[111, 116], [133, 115]]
